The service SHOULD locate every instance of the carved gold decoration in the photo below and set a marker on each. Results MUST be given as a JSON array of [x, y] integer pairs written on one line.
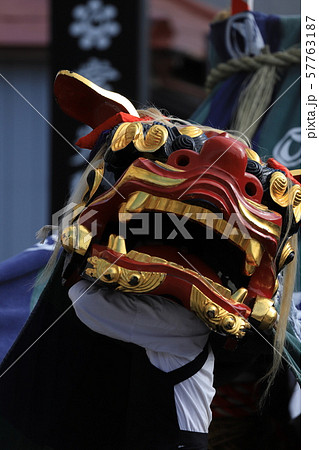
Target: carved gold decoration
[[136, 202], [256, 205], [264, 312], [296, 172], [68, 238], [286, 251], [133, 132], [137, 281], [270, 227], [137, 173], [191, 131], [99, 172], [125, 133], [284, 195], [77, 210], [88, 194], [76, 238], [140, 281], [240, 295], [154, 139], [103, 270], [168, 167], [216, 317], [296, 206], [278, 187], [252, 155]]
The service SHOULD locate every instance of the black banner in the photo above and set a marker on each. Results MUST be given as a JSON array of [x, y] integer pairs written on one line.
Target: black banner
[[106, 42]]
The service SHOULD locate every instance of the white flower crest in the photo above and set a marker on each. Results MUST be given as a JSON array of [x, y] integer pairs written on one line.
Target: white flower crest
[[94, 25], [99, 71]]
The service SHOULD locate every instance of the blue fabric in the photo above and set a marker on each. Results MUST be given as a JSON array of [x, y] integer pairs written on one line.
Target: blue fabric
[[269, 27], [17, 277], [224, 102], [278, 134]]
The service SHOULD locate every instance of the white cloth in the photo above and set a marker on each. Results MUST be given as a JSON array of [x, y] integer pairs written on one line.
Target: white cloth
[[171, 335]]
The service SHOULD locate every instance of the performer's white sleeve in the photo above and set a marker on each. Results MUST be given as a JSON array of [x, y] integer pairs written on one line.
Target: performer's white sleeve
[[153, 322]]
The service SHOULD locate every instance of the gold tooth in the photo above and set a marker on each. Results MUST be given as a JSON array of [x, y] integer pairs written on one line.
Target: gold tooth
[[240, 295], [132, 254], [156, 259], [224, 291], [249, 269], [178, 266], [157, 203], [136, 202], [220, 226], [202, 217], [145, 258], [238, 239], [140, 257], [119, 245], [123, 215], [254, 251], [110, 244]]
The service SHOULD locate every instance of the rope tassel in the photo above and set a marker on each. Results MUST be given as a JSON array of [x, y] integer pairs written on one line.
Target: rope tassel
[[255, 99]]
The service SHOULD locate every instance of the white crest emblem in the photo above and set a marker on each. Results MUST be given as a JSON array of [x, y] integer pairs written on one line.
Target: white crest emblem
[[287, 151], [242, 36], [94, 25]]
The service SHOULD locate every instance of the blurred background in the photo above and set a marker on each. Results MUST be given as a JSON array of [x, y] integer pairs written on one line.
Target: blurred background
[[152, 51]]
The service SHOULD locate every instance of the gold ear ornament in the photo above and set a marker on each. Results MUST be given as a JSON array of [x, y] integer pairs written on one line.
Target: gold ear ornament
[[285, 195]]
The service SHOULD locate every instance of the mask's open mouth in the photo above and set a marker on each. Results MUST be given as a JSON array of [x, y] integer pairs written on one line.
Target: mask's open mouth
[[198, 230]]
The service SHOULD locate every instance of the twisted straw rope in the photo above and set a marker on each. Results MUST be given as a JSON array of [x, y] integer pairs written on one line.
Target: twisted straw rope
[[251, 64]]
